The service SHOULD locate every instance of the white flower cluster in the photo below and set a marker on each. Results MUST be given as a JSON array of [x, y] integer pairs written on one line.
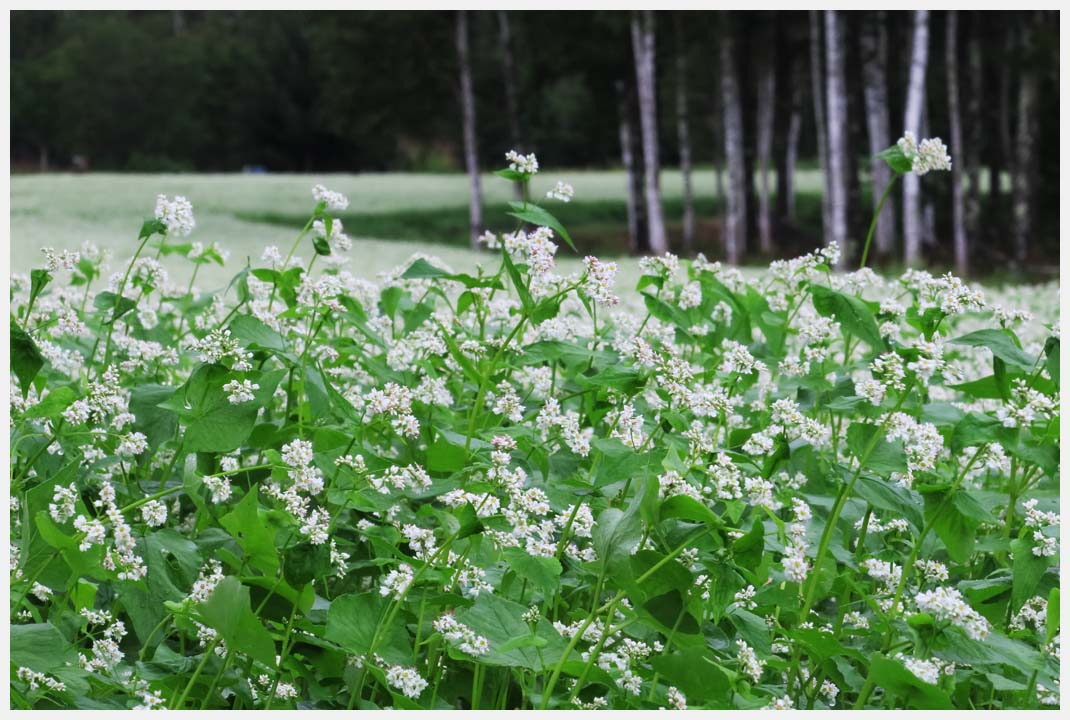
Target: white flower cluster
[[930, 154], [460, 635], [946, 604], [796, 566], [561, 191], [334, 201], [405, 679], [926, 670], [518, 162], [1043, 545], [240, 391], [176, 215], [36, 680]]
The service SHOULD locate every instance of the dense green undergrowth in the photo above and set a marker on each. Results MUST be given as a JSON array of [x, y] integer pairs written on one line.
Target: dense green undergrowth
[[522, 489]]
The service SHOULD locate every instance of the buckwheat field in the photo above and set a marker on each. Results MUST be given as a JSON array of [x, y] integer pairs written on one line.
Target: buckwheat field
[[518, 488]]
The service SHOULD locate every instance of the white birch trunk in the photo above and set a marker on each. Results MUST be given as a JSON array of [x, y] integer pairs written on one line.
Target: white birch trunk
[[683, 135], [958, 214], [643, 47], [817, 80], [837, 134], [468, 108], [791, 153], [1024, 163], [919, 59], [735, 216], [766, 116]]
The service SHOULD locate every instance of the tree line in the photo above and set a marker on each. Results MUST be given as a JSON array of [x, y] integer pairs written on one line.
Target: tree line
[[755, 95]]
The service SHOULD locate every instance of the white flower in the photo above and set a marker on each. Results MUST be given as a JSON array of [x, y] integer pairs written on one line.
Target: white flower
[[176, 215], [526, 164], [561, 191], [930, 154], [240, 391], [405, 679], [154, 513], [335, 201]]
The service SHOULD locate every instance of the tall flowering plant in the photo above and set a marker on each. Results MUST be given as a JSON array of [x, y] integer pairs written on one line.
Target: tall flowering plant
[[528, 487]]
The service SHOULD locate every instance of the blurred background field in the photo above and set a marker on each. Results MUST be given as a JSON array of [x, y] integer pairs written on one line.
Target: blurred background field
[[243, 111], [391, 215]]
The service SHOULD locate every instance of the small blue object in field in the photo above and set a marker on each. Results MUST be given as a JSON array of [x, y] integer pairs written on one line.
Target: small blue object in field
[[255, 169]]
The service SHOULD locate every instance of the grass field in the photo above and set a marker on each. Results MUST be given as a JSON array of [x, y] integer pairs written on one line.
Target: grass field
[[390, 215]]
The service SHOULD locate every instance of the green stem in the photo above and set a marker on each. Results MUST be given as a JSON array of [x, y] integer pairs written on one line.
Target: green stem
[[876, 215]]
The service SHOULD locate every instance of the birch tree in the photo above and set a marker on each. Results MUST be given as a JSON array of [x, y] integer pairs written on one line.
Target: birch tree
[[971, 151], [958, 219], [837, 134], [919, 59], [468, 110], [644, 50], [766, 117], [683, 136], [817, 80], [1025, 155], [735, 216], [874, 46]]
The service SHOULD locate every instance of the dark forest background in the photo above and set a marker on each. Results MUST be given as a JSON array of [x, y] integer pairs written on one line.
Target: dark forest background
[[223, 91]]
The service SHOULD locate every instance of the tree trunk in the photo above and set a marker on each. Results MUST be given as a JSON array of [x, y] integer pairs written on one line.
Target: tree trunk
[[874, 42], [912, 220], [766, 117], [683, 134], [971, 151], [468, 108], [627, 157], [643, 47], [958, 218], [735, 216], [837, 134], [791, 153], [817, 80], [717, 132], [1025, 158]]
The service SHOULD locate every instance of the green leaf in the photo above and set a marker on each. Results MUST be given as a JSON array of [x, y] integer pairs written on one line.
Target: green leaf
[[1004, 345], [444, 456], [518, 282], [1051, 357], [696, 673], [529, 212], [254, 334], [896, 160], [158, 424], [228, 612], [1028, 571], [958, 531], [305, 562], [119, 306], [891, 498], [544, 573], [499, 620], [884, 458], [851, 312], [254, 537], [212, 423], [686, 507], [54, 403], [26, 359], [39, 646]]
